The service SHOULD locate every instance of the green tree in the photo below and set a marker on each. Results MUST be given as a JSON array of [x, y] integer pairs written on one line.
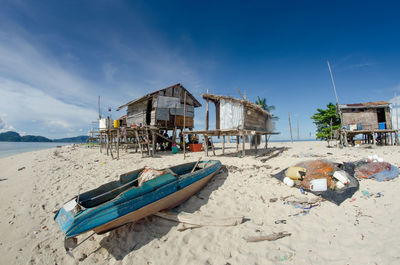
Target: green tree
[[323, 121], [262, 102]]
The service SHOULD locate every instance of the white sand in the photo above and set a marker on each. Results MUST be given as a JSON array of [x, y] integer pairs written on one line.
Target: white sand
[[364, 231]]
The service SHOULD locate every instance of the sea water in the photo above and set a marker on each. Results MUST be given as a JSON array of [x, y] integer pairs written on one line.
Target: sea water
[[13, 148]]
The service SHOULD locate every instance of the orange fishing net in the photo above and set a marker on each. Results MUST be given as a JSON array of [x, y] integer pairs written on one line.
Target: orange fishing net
[[315, 170]]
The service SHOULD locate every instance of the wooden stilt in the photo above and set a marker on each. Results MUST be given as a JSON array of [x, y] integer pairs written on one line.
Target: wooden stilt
[[138, 142], [206, 144], [223, 144], [101, 142], [373, 138], [154, 142], [256, 143], [148, 142], [108, 143], [212, 145], [391, 139], [174, 136], [243, 146], [237, 143], [184, 127], [118, 138]]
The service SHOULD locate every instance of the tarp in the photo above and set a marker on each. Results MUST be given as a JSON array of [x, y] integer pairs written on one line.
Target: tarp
[[335, 196], [167, 102], [231, 114]]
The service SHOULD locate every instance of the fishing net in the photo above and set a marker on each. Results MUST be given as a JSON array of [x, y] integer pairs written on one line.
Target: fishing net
[[325, 169], [317, 169], [377, 170]]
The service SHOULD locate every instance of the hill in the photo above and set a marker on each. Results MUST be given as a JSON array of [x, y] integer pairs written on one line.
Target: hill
[[10, 137], [16, 137], [77, 139]]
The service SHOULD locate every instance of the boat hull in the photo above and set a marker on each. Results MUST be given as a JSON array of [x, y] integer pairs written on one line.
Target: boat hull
[[134, 203], [168, 202]]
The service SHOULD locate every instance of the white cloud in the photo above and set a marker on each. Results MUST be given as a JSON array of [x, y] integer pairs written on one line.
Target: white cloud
[[4, 127], [24, 103]]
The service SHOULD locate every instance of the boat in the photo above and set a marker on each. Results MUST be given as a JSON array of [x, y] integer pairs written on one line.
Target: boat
[[130, 199]]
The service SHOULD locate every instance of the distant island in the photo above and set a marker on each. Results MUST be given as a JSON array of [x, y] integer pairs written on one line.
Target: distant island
[[11, 136]]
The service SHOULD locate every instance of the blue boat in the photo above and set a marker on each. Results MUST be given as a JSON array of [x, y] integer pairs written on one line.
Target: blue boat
[[127, 200]]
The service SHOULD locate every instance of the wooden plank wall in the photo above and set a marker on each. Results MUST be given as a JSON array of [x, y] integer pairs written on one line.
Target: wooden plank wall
[[388, 119], [136, 113], [254, 120], [368, 118]]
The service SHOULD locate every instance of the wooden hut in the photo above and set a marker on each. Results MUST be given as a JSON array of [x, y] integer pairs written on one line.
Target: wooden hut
[[371, 119], [235, 117], [163, 109], [236, 114]]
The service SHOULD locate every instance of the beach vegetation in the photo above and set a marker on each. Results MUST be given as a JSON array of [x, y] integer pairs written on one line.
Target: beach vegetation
[[262, 102], [323, 118]]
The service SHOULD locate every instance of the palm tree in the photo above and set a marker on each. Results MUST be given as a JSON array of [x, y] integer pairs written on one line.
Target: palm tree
[[262, 102]]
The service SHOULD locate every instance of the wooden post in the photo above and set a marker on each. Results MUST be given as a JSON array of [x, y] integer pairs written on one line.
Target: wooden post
[[207, 114], [206, 143], [237, 143], [138, 142], [126, 140], [243, 146], [212, 145], [154, 142], [391, 139], [118, 137], [184, 127], [217, 116], [256, 143], [148, 142], [223, 144], [101, 142], [174, 136], [290, 127], [373, 138]]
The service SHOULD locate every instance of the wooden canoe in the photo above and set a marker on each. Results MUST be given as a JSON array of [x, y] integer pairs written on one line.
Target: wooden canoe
[[117, 203]]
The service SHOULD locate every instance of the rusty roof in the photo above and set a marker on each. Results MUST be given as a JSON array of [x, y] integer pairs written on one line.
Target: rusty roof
[[375, 104]]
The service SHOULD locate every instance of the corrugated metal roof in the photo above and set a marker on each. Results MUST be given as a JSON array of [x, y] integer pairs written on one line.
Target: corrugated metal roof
[[145, 97]]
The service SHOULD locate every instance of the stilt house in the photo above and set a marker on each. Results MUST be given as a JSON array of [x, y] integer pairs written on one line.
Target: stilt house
[[163, 109], [366, 116], [236, 114]]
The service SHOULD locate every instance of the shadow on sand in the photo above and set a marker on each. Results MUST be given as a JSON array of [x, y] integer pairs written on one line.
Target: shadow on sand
[[122, 241]]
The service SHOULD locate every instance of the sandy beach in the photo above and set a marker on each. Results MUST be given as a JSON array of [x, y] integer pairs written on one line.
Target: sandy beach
[[362, 230]]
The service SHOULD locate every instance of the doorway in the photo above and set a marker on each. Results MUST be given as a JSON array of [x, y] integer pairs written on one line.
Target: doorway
[[381, 115], [148, 111]]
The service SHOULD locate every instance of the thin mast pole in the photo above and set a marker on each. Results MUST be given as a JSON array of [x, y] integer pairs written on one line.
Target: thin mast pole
[[334, 88], [397, 111], [290, 126], [98, 104]]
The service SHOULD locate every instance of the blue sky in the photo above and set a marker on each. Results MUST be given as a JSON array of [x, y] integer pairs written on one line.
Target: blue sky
[[57, 57]]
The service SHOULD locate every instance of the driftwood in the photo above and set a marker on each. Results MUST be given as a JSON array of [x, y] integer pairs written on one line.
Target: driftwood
[[193, 221], [270, 237]]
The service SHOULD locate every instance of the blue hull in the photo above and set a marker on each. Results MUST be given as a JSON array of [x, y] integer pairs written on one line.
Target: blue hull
[[117, 199]]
